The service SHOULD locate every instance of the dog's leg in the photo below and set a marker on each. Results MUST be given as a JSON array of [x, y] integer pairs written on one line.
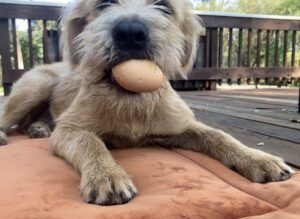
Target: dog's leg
[[253, 164], [103, 182], [33, 88]]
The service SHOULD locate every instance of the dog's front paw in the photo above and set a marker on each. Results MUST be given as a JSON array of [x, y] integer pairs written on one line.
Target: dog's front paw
[[264, 168], [108, 187]]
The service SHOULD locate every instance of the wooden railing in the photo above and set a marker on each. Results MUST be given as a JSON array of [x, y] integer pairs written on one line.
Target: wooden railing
[[251, 41], [241, 48], [9, 13]]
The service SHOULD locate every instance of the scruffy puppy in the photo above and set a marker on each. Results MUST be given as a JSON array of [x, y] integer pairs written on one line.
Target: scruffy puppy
[[93, 113]]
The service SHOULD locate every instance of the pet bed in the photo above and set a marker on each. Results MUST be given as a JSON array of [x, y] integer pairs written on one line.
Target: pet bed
[[171, 184]]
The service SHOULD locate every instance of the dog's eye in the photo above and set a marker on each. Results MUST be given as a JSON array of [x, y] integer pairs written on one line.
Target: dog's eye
[[105, 4], [163, 6]]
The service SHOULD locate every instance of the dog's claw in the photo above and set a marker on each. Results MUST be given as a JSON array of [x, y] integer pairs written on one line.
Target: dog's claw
[[265, 169], [110, 189]]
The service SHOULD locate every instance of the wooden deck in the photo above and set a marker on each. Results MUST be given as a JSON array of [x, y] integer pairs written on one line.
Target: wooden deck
[[265, 119]]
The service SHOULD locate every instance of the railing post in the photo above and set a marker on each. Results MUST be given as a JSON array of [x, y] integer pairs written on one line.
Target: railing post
[[5, 52], [45, 42], [213, 54]]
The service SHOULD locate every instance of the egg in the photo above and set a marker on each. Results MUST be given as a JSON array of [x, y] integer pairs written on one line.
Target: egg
[[138, 76]]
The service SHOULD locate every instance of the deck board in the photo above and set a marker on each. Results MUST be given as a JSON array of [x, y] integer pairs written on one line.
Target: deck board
[[289, 151], [253, 116], [275, 112], [284, 121]]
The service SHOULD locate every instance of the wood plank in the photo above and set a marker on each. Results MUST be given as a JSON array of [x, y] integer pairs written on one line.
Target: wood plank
[[264, 93], [15, 47], [221, 35], [230, 47], [249, 101], [214, 48], [274, 131], [258, 55], [12, 75], [288, 151], [290, 93], [35, 12], [246, 116], [240, 22], [249, 49], [240, 48], [207, 48], [299, 102], [262, 99], [294, 39], [268, 48], [45, 42], [268, 92], [236, 73], [213, 55], [5, 51], [260, 102], [30, 45], [276, 49], [285, 48], [280, 113], [4, 44]]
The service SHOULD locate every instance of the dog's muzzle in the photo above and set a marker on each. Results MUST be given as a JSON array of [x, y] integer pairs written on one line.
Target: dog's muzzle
[[131, 35], [131, 40]]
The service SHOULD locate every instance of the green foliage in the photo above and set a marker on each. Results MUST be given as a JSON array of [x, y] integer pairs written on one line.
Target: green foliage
[[288, 7]]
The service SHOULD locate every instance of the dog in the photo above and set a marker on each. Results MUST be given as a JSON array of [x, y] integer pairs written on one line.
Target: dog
[[93, 113]]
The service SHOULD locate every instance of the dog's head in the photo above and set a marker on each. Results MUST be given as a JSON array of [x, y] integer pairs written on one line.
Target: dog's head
[[103, 33]]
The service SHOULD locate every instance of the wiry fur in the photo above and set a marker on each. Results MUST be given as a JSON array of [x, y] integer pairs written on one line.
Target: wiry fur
[[92, 112]]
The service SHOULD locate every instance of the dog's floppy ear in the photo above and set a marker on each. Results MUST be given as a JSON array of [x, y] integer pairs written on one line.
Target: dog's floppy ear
[[73, 23], [191, 28]]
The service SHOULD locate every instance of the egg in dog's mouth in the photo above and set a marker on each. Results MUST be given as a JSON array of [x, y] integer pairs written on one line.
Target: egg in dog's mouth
[[137, 76]]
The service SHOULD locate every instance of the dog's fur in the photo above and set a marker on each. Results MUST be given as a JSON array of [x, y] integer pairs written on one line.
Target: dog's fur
[[92, 112]]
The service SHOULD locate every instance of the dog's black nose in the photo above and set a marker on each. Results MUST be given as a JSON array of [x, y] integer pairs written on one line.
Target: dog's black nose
[[130, 34]]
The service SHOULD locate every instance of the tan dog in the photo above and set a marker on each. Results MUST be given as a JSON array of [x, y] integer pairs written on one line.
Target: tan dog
[[92, 112]]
